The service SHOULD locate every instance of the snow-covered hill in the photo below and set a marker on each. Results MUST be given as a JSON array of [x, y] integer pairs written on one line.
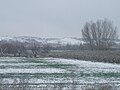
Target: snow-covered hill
[[28, 39]]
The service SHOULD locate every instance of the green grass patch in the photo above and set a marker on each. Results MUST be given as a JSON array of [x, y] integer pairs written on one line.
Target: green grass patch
[[101, 74], [35, 75]]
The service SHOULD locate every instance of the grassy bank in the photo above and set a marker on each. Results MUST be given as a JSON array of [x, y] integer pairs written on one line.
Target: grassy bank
[[96, 56]]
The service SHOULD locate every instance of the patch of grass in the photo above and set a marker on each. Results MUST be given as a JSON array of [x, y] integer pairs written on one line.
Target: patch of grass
[[22, 61], [62, 66], [35, 75], [105, 75]]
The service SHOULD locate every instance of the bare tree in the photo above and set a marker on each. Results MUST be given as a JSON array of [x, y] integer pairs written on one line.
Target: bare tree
[[35, 49], [20, 48], [46, 48], [100, 35], [2, 50]]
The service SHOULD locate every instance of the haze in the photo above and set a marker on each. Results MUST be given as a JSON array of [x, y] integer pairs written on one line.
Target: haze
[[53, 18]]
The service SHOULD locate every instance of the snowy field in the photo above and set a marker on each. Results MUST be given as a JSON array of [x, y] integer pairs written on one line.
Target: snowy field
[[54, 70]]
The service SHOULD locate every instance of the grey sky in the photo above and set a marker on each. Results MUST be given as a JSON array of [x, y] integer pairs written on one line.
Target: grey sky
[[53, 18]]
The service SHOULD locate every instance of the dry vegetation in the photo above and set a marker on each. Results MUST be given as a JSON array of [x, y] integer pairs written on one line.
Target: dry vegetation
[[96, 56]]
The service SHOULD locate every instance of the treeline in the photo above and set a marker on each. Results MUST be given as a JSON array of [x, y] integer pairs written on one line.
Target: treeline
[[32, 49], [19, 49], [67, 47], [37, 49]]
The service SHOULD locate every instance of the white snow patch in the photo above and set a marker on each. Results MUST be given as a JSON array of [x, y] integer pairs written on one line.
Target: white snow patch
[[45, 70], [62, 41], [88, 66], [21, 64]]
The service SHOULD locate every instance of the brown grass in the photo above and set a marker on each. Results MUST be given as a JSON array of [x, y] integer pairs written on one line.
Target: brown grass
[[96, 56]]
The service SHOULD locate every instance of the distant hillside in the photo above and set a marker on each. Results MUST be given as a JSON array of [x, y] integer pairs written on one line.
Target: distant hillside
[[28, 39]]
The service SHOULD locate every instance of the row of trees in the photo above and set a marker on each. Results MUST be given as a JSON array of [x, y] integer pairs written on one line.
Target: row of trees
[[32, 49], [100, 35], [22, 49]]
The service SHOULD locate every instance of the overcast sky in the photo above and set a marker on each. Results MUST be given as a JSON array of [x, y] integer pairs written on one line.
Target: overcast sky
[[53, 18]]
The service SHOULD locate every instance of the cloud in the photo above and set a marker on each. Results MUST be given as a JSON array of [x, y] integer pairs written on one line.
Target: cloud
[[53, 18]]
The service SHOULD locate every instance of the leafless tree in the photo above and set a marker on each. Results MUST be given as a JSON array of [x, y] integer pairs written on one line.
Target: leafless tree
[[20, 48], [9, 48], [35, 48], [100, 35], [2, 50], [46, 48]]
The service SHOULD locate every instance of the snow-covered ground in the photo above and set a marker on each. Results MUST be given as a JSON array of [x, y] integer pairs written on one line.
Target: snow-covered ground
[[88, 66], [58, 70], [47, 70], [62, 41]]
